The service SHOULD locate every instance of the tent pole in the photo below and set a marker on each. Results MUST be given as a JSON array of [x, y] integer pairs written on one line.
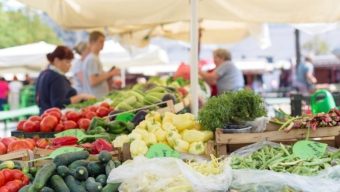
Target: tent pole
[[194, 57], [297, 46]]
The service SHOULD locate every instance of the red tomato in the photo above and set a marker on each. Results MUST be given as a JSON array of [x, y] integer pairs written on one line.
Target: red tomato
[[106, 105], [60, 127], [35, 118], [53, 109], [37, 126], [92, 108], [29, 126], [48, 123], [57, 114], [8, 175], [89, 114], [7, 140], [2, 179], [17, 174], [30, 142], [14, 186], [18, 145], [4, 189], [102, 111], [84, 123], [20, 126], [73, 116], [42, 143], [70, 124], [3, 148]]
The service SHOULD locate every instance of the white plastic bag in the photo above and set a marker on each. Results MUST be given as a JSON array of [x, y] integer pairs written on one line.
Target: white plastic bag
[[259, 124], [270, 181], [166, 174], [249, 180]]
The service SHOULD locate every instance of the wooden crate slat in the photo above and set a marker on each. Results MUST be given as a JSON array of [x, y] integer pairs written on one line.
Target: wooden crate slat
[[237, 138]]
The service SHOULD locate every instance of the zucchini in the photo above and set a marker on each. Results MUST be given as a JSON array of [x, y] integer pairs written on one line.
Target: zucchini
[[111, 187], [92, 185], [43, 175], [109, 166], [63, 171], [80, 173], [104, 156], [58, 184], [25, 188], [78, 163], [95, 169], [74, 185], [46, 189], [67, 158], [101, 179], [33, 170]]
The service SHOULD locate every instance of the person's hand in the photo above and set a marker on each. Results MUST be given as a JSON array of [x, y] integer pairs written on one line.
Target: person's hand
[[85, 96], [114, 72]]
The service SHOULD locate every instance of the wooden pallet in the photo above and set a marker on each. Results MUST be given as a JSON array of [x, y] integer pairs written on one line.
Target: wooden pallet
[[226, 143], [23, 157]]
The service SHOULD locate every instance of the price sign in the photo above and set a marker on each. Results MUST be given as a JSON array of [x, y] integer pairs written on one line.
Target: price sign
[[308, 149]]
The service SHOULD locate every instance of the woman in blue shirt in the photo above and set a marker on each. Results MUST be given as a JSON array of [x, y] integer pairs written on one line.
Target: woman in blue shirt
[[53, 89]]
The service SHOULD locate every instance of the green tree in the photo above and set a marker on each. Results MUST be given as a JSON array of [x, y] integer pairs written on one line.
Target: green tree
[[316, 45], [23, 27]]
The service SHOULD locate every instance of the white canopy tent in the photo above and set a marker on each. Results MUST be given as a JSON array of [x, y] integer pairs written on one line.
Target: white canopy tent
[[30, 56], [131, 14], [33, 56]]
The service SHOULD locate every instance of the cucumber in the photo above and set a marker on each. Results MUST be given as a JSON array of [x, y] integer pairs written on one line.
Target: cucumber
[[111, 187], [78, 163], [109, 166], [101, 179], [46, 189], [58, 184], [80, 173], [43, 175], [104, 156], [67, 158], [63, 171], [92, 185], [74, 185], [95, 169], [25, 188]]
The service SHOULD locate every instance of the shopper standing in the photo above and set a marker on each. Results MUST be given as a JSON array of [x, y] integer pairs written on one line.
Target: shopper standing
[[15, 87], [4, 89]]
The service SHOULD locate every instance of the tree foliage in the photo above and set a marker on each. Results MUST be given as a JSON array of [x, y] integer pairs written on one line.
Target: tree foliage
[[23, 27], [316, 46]]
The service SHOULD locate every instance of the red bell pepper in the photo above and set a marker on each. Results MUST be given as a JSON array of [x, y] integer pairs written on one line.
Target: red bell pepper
[[102, 144], [64, 141]]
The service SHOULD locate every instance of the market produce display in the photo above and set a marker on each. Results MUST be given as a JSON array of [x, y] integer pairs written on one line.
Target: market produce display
[[73, 172], [53, 120], [179, 131], [282, 159], [330, 119]]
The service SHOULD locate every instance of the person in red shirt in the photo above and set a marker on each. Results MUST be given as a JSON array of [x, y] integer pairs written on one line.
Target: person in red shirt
[[4, 89]]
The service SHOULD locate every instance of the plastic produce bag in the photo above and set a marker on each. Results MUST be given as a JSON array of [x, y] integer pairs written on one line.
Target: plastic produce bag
[[166, 174], [270, 181], [259, 124]]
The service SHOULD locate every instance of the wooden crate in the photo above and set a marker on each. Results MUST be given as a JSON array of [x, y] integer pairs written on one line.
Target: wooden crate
[[23, 157], [226, 143]]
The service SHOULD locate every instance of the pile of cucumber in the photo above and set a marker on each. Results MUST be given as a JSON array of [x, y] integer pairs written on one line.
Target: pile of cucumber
[[73, 172]]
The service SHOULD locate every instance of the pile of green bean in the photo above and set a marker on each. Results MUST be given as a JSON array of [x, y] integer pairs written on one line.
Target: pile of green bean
[[281, 159]]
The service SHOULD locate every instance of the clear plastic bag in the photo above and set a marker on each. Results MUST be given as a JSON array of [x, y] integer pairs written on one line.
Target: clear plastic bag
[[259, 124], [249, 180], [166, 174]]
